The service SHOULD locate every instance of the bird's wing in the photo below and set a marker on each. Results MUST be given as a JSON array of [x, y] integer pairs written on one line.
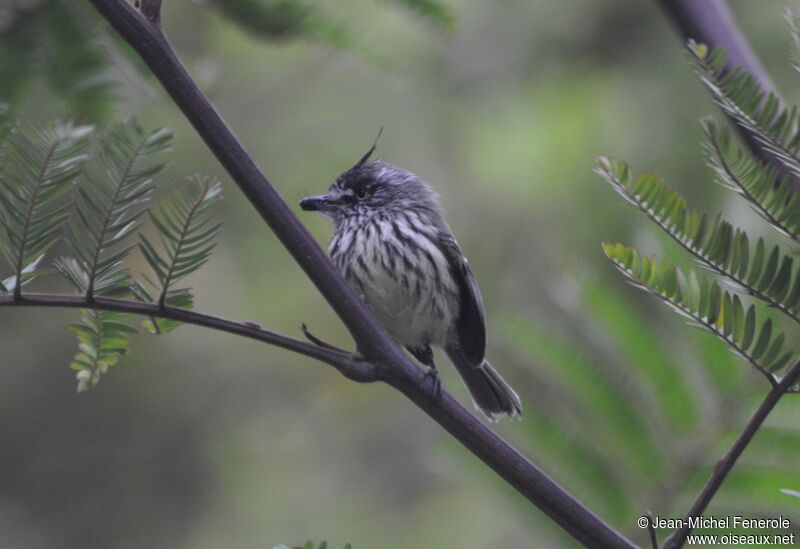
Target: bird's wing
[[470, 326]]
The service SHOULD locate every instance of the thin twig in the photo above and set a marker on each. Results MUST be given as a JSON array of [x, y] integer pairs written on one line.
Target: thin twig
[[348, 364], [371, 339], [725, 465], [651, 528]]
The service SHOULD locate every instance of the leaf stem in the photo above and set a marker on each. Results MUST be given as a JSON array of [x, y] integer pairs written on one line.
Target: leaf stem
[[727, 462], [651, 529], [23, 240], [162, 299], [107, 218]]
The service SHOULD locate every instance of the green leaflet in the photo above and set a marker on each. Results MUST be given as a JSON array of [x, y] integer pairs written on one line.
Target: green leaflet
[[737, 92], [760, 184], [103, 337], [109, 204], [187, 230], [38, 166], [707, 306], [768, 275]]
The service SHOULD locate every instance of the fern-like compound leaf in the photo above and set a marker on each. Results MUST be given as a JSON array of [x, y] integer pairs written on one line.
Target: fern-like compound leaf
[[109, 205], [709, 307], [187, 229], [739, 95], [38, 165], [766, 274], [760, 184]]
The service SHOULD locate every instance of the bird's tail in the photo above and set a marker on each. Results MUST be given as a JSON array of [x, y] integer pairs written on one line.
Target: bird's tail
[[490, 393]]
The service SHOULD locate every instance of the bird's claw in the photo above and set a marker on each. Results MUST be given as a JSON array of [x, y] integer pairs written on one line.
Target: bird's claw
[[433, 374]]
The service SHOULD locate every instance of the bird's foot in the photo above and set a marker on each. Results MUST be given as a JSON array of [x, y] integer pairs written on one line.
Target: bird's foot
[[433, 374]]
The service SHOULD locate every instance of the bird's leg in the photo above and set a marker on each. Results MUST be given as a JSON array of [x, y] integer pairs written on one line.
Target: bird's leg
[[425, 356]]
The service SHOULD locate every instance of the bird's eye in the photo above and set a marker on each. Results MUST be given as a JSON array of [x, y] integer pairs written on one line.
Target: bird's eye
[[361, 193]]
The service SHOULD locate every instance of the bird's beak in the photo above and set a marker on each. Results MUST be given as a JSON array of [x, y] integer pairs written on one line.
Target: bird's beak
[[320, 203]]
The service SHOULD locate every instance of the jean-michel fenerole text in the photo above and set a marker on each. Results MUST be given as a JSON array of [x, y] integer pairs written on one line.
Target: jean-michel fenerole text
[[727, 522]]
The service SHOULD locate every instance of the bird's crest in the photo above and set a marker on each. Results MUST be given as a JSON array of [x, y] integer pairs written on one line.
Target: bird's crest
[[370, 151]]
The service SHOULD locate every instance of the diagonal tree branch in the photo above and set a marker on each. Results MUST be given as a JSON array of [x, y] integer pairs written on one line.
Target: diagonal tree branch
[[725, 465], [372, 340], [711, 22]]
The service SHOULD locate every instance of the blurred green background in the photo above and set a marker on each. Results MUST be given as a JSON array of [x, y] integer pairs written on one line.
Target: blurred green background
[[203, 440]]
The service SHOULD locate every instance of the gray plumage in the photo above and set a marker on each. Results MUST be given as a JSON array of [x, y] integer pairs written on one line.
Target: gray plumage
[[393, 245]]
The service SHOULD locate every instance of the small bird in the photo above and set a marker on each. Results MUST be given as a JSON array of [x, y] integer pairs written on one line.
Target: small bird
[[394, 247]]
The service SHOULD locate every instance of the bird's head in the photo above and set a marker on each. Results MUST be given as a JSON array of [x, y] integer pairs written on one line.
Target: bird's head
[[371, 187]]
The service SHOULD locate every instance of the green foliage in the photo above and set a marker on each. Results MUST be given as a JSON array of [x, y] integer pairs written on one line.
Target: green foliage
[[38, 166], [103, 337], [761, 185], [51, 40], [761, 112], [273, 19], [111, 190], [288, 19], [78, 68], [707, 306], [181, 299], [431, 10], [108, 206], [578, 387], [764, 273], [607, 419], [187, 229], [63, 45]]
